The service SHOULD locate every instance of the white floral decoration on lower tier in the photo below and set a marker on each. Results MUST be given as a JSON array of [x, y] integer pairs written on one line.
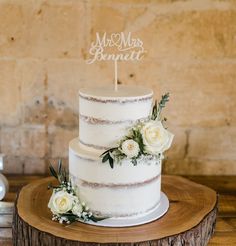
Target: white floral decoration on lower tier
[[146, 138], [64, 204]]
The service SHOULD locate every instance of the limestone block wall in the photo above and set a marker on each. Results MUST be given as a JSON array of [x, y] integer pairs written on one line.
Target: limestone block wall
[[191, 52]]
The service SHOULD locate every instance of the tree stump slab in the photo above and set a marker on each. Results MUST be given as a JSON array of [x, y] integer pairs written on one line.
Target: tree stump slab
[[190, 219]]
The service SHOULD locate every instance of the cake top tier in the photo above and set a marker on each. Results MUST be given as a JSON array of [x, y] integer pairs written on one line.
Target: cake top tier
[[106, 114], [123, 92]]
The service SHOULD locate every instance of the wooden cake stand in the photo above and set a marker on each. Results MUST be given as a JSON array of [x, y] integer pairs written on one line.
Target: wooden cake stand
[[190, 219]]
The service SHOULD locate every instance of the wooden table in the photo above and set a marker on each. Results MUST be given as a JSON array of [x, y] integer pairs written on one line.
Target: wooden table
[[226, 222]]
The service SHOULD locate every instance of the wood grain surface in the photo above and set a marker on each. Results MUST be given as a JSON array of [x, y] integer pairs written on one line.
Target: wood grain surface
[[225, 232], [190, 218]]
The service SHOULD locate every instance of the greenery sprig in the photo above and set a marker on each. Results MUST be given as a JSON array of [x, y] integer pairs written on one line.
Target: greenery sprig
[[108, 156], [116, 153], [61, 175], [157, 108]]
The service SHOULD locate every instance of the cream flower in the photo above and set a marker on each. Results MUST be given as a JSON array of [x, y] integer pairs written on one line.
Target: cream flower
[[61, 202], [130, 148], [77, 209], [155, 137]]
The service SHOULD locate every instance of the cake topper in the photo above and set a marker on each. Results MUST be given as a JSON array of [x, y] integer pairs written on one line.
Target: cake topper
[[116, 47]]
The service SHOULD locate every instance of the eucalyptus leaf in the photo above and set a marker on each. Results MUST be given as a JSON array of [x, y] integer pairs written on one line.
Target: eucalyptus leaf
[[107, 151], [111, 161], [52, 171], [105, 157], [96, 219], [70, 217], [64, 175], [154, 111], [161, 104], [59, 166]]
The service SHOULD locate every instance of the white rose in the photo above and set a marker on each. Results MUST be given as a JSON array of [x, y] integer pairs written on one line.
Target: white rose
[[155, 137], [77, 209], [61, 202], [130, 148]]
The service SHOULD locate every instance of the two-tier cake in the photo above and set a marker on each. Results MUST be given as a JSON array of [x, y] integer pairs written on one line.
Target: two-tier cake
[[105, 116]]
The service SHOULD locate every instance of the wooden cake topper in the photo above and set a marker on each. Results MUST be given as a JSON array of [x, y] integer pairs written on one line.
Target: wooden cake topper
[[116, 47]]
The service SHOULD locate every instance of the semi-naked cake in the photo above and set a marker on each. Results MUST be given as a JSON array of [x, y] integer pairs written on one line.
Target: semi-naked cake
[[105, 115]]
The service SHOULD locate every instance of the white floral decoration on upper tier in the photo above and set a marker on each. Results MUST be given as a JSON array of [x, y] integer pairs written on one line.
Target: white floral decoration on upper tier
[[155, 137], [130, 148], [146, 138]]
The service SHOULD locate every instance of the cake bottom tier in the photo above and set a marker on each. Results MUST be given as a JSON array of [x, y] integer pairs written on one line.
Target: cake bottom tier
[[125, 190]]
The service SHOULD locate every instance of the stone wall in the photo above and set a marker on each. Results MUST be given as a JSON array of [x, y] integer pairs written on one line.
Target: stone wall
[[191, 53]]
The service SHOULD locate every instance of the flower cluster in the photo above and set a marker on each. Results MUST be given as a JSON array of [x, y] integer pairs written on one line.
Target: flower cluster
[[145, 138], [65, 206]]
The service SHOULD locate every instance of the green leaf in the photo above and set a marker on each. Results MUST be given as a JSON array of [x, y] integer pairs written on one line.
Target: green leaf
[[111, 161], [134, 161], [59, 166], [52, 171], [156, 111], [71, 217], [96, 219], [64, 175], [107, 151], [164, 100], [105, 157], [59, 171]]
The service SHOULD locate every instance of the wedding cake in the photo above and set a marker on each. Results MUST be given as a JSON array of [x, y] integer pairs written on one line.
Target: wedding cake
[[115, 163]]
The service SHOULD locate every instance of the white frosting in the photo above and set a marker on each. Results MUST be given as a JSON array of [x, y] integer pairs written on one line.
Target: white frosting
[[111, 134], [123, 92], [104, 119], [125, 189], [122, 202], [88, 166]]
